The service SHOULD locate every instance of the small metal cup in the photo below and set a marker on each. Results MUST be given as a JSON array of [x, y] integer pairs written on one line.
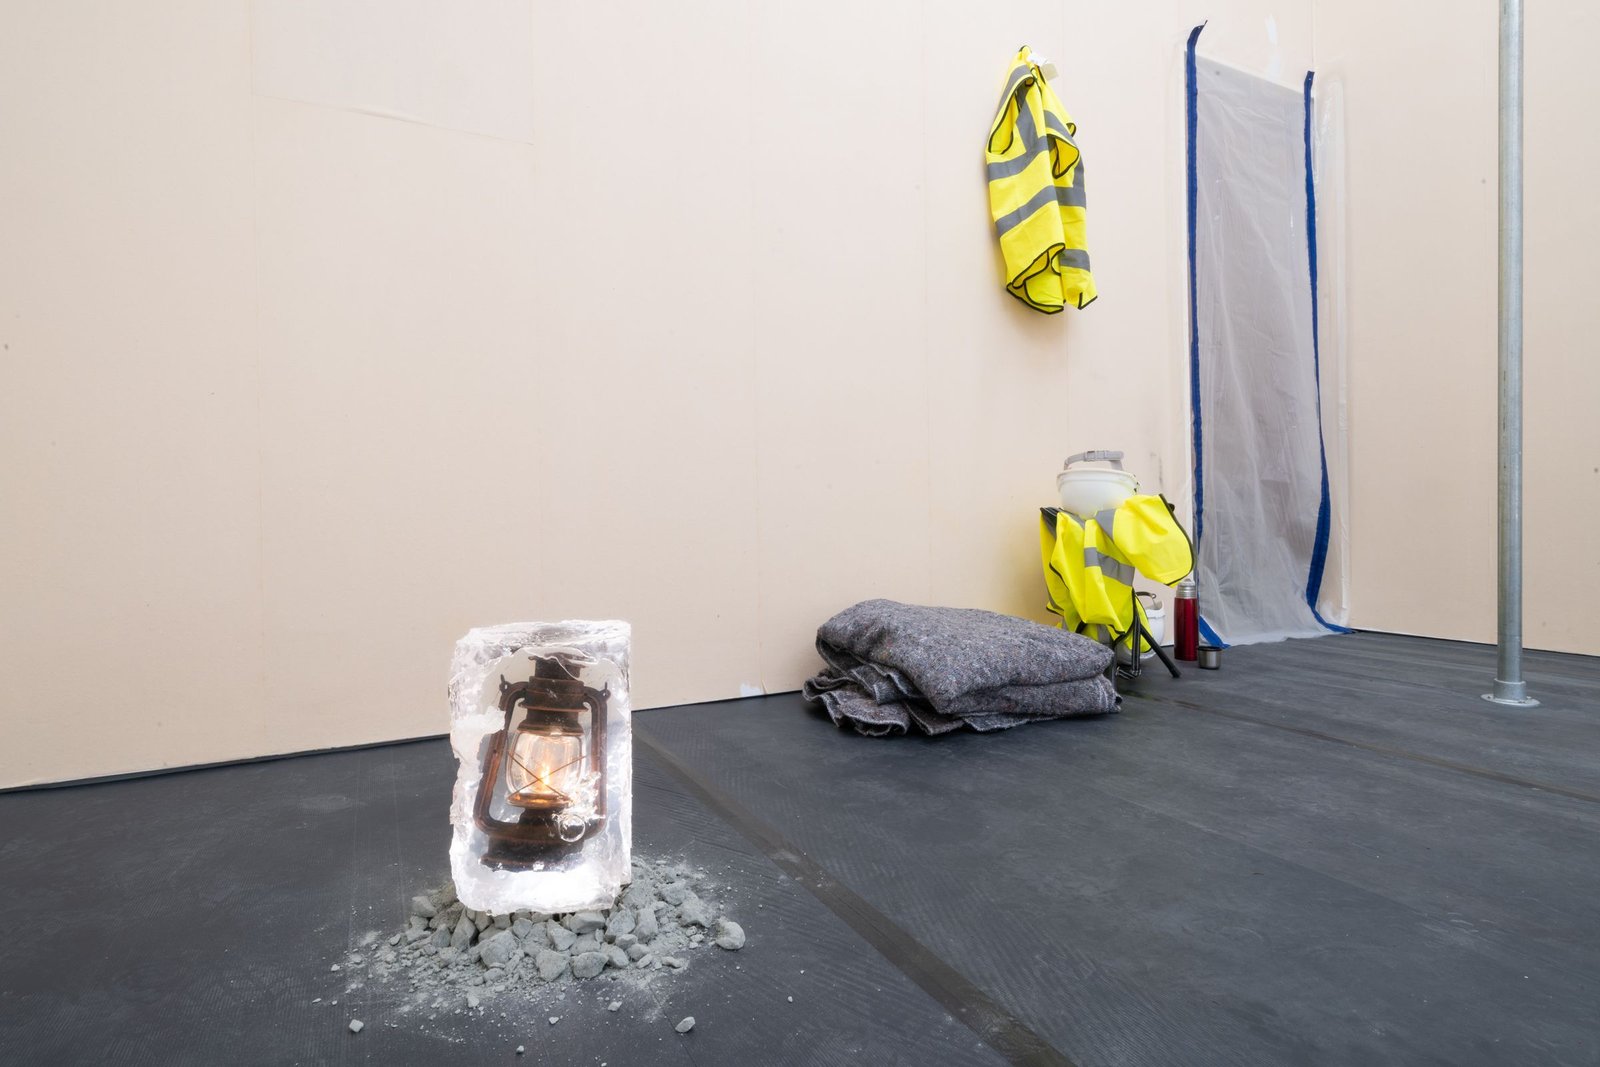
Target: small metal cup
[[1209, 658]]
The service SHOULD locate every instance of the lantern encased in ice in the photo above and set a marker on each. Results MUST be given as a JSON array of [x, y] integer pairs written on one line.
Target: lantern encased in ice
[[540, 727], [545, 770]]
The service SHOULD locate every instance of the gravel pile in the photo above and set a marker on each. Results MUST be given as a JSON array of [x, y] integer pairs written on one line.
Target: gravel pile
[[453, 956]]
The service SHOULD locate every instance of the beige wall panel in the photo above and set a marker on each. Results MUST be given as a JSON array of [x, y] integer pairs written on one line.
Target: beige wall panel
[[999, 374], [688, 315], [462, 66], [1562, 435], [129, 577], [1012, 392], [838, 194], [646, 334], [1422, 276], [401, 484]]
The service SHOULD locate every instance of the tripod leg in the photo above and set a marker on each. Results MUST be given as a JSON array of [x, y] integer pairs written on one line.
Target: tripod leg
[[1171, 666]]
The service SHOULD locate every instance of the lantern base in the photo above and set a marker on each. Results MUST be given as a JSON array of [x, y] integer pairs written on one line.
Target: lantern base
[[504, 854]]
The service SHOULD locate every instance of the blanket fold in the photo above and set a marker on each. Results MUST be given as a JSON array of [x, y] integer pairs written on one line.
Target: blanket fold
[[891, 666]]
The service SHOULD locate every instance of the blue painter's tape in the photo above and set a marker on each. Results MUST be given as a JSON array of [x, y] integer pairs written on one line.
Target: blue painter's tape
[[1319, 548], [1210, 636], [1192, 194]]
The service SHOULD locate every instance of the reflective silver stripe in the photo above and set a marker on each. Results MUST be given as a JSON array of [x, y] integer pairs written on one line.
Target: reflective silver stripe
[[1022, 72], [1036, 146], [1074, 257], [1010, 168], [1107, 519], [1017, 77], [1027, 132], [1109, 567], [1072, 195], [1060, 128], [1010, 221]]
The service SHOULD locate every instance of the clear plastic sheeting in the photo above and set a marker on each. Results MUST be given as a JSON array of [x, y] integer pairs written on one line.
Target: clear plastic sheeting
[[1263, 505], [542, 809]]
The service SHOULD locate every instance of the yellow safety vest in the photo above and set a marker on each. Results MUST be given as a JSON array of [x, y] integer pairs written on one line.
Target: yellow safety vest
[[1036, 194], [1089, 563]]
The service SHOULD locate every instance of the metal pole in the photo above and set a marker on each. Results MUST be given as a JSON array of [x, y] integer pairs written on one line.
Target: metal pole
[[1509, 688]]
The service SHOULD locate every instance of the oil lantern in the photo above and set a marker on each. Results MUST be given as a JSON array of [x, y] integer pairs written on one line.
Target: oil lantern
[[543, 787]]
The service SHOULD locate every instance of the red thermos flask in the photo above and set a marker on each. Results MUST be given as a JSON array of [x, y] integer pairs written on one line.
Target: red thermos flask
[[1186, 621]]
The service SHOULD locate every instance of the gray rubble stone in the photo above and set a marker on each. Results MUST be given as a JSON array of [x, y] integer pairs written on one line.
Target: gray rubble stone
[[422, 907], [413, 936], [729, 935], [685, 1024], [626, 941], [675, 893], [481, 920], [616, 957], [637, 951], [522, 927], [694, 912], [444, 896], [621, 922], [614, 1005], [550, 964], [497, 949], [561, 938], [462, 936], [588, 965], [638, 894], [500, 922], [589, 942], [581, 922], [493, 974], [356, 1026], [472, 1000], [440, 939], [677, 963], [644, 961], [648, 925]]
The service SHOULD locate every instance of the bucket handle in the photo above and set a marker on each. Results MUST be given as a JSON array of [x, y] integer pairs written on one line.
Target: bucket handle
[[1096, 456]]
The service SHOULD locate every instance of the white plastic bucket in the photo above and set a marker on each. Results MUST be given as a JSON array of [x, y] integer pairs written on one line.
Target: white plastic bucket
[[1087, 490]]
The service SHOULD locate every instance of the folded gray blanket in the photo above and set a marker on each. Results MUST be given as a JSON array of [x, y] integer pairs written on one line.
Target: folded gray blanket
[[892, 665]]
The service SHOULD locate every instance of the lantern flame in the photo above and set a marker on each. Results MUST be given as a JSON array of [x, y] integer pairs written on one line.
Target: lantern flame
[[544, 770]]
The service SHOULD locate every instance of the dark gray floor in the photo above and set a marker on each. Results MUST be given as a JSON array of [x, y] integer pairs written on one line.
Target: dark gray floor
[[1330, 852]]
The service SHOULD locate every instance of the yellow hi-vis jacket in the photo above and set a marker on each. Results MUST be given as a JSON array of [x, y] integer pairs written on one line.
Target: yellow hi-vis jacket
[[1089, 563], [1036, 194]]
